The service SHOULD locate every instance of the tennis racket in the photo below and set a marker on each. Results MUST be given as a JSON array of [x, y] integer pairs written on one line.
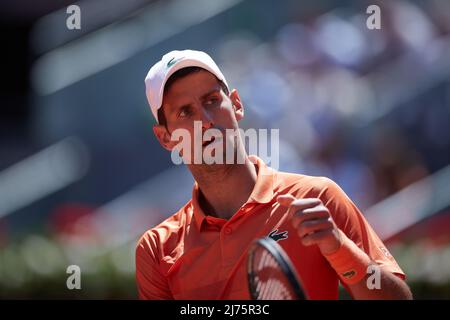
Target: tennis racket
[[270, 273]]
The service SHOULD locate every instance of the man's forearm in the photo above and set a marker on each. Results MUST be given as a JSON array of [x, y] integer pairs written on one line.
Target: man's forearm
[[390, 287]]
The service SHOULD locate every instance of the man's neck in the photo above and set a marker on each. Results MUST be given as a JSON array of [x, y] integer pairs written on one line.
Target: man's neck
[[224, 188]]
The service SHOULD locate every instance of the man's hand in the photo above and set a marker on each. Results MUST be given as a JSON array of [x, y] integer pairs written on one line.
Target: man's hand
[[313, 222], [315, 226]]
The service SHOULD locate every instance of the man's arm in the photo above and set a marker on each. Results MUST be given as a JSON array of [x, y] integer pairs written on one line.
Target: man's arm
[[391, 288], [316, 226]]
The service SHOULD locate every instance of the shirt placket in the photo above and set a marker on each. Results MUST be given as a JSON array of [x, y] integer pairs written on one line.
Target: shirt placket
[[229, 230]]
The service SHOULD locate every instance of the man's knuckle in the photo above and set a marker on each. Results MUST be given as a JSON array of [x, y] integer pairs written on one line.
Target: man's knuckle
[[328, 224], [306, 240], [301, 229]]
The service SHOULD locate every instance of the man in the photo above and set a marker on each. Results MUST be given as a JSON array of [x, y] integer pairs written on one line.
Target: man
[[200, 251]]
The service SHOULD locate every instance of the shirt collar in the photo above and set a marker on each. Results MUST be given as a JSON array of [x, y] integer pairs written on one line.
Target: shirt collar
[[262, 192]]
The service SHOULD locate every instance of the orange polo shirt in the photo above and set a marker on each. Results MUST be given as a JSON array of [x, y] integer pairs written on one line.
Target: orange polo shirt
[[192, 255]]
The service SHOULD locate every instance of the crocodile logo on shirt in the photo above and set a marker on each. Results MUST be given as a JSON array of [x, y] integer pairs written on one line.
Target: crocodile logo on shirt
[[278, 236]]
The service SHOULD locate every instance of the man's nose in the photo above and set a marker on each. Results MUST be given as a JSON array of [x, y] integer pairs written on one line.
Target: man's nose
[[206, 119]]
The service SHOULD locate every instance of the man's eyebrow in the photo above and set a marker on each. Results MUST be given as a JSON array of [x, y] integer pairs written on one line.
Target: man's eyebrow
[[210, 92], [186, 105], [204, 96]]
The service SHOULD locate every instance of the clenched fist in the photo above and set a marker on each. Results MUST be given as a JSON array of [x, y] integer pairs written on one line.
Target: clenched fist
[[313, 222]]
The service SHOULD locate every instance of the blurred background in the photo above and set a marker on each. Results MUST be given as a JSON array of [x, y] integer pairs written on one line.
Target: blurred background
[[82, 176]]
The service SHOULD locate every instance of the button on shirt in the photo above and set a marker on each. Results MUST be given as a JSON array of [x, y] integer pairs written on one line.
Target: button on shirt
[[192, 255]]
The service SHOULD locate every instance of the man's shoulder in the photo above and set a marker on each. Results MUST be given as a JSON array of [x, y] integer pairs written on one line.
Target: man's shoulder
[[297, 182], [167, 229]]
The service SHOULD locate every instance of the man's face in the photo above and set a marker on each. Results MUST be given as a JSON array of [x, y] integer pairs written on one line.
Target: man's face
[[199, 97]]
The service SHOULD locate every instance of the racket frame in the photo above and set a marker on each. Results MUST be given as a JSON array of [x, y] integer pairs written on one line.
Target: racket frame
[[283, 261]]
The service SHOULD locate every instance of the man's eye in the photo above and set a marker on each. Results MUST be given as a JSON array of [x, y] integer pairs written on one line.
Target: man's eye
[[211, 101], [184, 112]]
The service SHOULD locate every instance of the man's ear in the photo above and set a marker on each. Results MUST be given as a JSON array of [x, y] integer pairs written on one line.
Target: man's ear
[[237, 105], [163, 136]]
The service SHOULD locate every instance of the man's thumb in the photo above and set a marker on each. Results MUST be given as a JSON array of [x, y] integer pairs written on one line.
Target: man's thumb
[[286, 199]]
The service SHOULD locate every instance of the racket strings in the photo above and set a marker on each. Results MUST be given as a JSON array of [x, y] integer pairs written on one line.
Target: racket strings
[[269, 281]]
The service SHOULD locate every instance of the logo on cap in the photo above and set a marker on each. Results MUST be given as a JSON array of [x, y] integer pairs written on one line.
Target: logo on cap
[[172, 62]]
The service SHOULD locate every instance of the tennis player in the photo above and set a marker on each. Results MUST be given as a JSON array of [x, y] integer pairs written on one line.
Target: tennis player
[[200, 251]]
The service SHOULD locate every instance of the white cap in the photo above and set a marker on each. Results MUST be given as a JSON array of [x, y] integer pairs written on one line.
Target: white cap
[[168, 65]]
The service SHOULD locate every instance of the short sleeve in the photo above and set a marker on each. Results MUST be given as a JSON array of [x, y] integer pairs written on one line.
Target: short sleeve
[[151, 283], [351, 221]]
